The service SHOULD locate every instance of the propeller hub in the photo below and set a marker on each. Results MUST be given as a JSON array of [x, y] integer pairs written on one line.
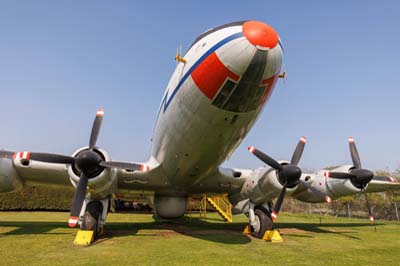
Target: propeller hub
[[88, 162], [291, 174], [361, 177]]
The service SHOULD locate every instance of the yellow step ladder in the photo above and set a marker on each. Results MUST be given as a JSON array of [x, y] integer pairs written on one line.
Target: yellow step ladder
[[222, 205]]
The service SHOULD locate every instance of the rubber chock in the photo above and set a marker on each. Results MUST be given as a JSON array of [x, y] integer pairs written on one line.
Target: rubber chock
[[272, 236], [84, 238]]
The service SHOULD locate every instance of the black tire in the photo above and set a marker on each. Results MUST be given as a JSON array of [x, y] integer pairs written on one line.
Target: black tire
[[91, 218], [264, 223]]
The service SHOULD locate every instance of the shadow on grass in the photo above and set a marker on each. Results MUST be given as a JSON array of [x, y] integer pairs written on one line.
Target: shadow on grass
[[227, 233], [343, 229], [193, 227]]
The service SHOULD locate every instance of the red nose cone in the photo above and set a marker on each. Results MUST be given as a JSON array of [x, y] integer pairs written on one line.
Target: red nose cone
[[260, 34]]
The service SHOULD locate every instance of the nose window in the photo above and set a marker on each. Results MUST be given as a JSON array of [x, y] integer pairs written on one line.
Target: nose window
[[226, 90], [245, 95]]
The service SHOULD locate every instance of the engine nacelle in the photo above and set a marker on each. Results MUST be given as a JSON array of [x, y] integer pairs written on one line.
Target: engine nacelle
[[263, 186], [332, 187], [340, 187], [170, 207], [9, 178], [100, 186]]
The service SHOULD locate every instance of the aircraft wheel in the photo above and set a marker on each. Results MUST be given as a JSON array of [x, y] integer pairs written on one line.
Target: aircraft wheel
[[92, 217], [263, 222]]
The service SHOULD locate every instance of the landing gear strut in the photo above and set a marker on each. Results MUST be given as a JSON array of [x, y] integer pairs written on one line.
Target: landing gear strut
[[262, 222], [92, 218]]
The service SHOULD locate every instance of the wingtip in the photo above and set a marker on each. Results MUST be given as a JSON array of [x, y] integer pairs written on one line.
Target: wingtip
[[350, 139], [303, 139]]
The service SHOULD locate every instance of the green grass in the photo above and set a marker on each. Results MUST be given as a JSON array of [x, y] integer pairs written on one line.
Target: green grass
[[43, 238]]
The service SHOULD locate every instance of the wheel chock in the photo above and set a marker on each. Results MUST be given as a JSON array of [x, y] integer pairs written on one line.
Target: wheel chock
[[84, 238], [272, 236], [246, 230]]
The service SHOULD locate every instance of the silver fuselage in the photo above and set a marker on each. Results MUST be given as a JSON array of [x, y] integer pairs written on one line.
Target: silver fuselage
[[195, 132]]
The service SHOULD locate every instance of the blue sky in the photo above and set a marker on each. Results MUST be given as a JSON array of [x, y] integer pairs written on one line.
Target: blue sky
[[61, 61]]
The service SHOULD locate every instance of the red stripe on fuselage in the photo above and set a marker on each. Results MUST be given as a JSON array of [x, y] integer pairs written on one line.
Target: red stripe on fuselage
[[211, 74], [270, 84]]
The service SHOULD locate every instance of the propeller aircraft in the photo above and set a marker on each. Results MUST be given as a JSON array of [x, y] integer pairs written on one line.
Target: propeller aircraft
[[217, 91]]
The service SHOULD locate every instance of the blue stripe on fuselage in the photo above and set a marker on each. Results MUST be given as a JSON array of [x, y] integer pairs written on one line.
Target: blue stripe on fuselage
[[166, 102]]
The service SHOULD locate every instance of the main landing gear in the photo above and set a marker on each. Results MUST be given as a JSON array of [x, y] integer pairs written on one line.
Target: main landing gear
[[262, 223], [260, 220], [92, 219], [93, 216]]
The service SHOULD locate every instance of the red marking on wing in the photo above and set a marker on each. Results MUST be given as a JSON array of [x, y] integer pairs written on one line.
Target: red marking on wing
[[211, 74], [145, 168]]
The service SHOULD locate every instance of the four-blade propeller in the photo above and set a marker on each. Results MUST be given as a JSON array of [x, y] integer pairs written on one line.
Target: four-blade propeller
[[88, 162], [289, 174], [358, 176]]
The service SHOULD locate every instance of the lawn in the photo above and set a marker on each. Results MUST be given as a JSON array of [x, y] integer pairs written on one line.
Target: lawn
[[43, 238]]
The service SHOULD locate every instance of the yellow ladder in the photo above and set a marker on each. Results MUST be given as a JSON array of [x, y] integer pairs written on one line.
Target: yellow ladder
[[196, 205], [222, 205]]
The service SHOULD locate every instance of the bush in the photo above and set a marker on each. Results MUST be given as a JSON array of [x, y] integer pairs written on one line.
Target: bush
[[38, 198]]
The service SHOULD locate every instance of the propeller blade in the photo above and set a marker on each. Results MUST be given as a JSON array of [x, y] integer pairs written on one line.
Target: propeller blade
[[298, 151], [6, 154], [278, 203], [265, 158], [43, 157], [338, 175], [371, 217], [355, 157], [122, 165], [77, 202], [96, 128], [51, 158]]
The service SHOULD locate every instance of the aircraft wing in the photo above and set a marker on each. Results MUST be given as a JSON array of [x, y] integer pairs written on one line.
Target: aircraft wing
[[383, 183], [259, 185], [15, 172]]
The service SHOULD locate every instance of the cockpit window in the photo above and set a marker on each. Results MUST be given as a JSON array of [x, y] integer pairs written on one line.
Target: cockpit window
[[224, 93]]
